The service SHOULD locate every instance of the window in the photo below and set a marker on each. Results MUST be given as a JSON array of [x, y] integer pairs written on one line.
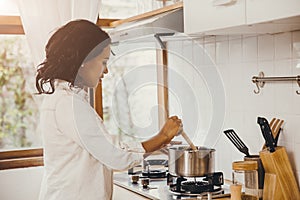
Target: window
[[18, 107], [130, 91]]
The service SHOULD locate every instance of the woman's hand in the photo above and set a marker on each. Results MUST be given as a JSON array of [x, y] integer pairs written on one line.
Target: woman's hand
[[171, 128]]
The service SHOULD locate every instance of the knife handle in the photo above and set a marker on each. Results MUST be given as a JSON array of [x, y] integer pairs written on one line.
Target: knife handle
[[267, 133]]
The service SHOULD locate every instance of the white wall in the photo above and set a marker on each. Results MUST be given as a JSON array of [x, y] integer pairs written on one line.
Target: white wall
[[20, 184], [238, 58]]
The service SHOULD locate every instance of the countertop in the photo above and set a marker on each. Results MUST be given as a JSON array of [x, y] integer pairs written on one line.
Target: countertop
[[157, 189]]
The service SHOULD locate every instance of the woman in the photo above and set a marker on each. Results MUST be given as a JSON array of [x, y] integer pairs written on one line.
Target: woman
[[79, 154]]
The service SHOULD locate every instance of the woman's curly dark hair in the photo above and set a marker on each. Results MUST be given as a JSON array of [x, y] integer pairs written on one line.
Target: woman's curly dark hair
[[74, 43]]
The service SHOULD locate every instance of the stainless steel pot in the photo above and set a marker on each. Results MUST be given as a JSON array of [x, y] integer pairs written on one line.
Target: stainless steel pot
[[191, 163]]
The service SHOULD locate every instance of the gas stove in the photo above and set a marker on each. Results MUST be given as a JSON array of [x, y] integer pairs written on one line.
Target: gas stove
[[153, 180], [161, 188]]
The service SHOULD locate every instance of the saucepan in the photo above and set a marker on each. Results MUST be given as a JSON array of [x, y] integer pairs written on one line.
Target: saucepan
[[185, 162]]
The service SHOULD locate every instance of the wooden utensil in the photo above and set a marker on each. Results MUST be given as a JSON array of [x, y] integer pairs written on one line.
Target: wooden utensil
[[236, 191], [275, 125], [277, 129], [187, 139], [272, 189]]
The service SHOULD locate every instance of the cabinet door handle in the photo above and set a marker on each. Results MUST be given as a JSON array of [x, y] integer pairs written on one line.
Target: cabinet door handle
[[223, 2]]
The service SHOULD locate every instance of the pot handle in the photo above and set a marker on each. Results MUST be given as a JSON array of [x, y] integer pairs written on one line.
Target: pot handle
[[165, 150]]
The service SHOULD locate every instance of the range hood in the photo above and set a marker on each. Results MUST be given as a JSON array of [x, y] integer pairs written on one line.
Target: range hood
[[166, 23]]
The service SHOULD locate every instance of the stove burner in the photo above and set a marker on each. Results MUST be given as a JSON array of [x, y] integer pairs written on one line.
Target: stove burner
[[217, 191], [210, 183], [154, 173], [196, 187]]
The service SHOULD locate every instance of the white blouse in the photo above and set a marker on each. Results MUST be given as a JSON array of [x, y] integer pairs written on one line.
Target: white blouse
[[79, 154]]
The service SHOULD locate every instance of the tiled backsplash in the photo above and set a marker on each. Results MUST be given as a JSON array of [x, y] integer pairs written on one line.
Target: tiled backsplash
[[238, 58]]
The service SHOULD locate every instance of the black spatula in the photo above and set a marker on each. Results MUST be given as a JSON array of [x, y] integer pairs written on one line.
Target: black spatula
[[234, 138]]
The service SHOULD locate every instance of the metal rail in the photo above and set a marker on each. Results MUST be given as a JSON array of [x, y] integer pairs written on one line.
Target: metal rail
[[260, 81]]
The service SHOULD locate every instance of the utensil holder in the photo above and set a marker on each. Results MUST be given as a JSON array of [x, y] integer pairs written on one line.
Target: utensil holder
[[280, 182]]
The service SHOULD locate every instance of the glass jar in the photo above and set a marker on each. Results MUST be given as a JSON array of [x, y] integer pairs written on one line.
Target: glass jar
[[244, 173], [261, 173]]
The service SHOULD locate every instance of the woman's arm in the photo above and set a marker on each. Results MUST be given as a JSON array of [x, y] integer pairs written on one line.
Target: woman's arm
[[170, 129]]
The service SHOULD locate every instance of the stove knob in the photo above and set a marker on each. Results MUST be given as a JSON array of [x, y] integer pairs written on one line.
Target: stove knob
[[145, 182], [135, 179]]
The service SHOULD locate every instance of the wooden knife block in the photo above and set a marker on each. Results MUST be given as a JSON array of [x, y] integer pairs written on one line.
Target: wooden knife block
[[280, 182]]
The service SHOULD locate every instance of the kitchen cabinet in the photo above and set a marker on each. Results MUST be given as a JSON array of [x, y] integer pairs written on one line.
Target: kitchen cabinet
[[202, 16], [241, 16], [267, 10]]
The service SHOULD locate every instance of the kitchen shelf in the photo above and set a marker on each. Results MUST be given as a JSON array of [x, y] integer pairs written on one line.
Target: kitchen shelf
[[147, 14]]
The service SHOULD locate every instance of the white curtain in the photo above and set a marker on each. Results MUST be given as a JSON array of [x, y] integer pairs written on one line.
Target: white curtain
[[40, 19]]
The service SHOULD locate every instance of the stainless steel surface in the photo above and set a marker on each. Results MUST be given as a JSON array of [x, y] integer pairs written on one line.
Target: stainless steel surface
[[283, 78], [203, 195], [190, 163], [157, 188], [145, 29], [260, 80]]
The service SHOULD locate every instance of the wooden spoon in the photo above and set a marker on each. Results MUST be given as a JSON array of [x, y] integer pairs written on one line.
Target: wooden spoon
[[187, 139], [272, 121], [277, 129], [274, 125]]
